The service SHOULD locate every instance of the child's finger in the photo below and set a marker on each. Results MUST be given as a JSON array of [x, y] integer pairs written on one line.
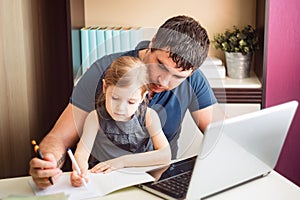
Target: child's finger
[[108, 170], [101, 167]]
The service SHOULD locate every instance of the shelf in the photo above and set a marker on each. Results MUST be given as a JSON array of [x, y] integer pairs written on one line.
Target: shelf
[[228, 90], [251, 82]]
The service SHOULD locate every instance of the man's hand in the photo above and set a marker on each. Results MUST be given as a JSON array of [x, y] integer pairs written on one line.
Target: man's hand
[[41, 170]]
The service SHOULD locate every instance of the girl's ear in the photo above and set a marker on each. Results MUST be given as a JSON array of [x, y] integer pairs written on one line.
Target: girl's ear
[[103, 86]]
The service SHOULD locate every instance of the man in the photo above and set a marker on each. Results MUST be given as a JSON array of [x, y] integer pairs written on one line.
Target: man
[[173, 56]]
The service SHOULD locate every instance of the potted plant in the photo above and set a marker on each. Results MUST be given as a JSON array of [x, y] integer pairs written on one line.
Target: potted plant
[[239, 45]]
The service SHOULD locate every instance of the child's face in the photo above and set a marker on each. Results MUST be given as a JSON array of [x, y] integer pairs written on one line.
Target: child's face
[[122, 102]]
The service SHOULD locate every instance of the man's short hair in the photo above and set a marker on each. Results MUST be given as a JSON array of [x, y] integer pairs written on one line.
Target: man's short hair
[[186, 40]]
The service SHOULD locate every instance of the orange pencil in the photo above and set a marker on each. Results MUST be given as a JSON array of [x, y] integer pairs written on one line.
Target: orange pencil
[[39, 154]]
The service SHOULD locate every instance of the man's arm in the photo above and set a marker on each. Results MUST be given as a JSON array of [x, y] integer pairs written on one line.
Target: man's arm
[[65, 133], [205, 116]]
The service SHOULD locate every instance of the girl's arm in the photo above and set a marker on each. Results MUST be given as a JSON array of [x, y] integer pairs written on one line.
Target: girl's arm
[[84, 147], [160, 155]]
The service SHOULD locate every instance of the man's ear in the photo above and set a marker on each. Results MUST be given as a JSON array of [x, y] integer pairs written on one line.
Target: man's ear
[[151, 42], [103, 86]]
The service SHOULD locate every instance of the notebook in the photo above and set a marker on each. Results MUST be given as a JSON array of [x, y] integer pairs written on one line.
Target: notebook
[[233, 152]]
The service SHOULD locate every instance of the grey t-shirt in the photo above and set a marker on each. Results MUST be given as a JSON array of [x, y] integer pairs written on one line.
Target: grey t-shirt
[[116, 138]]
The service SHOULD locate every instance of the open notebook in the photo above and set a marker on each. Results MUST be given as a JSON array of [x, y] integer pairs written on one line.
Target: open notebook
[[99, 184]]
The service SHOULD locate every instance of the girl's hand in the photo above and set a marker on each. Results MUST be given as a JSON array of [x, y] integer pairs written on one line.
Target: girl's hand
[[108, 166], [76, 179]]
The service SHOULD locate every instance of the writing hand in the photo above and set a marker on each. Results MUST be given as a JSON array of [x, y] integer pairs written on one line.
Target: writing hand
[[41, 170], [76, 179]]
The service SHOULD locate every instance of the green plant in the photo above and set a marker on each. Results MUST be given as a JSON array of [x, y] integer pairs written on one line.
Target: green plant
[[236, 40]]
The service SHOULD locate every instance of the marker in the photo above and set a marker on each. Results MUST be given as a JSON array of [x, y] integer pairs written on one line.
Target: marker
[[39, 154], [76, 166]]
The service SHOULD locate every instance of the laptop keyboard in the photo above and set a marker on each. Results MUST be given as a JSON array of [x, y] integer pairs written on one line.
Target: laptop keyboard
[[175, 186]]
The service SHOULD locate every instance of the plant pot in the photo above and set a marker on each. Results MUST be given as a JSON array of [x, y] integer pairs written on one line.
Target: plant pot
[[238, 65]]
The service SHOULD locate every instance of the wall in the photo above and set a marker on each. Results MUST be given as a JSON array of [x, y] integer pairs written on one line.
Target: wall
[[17, 77], [35, 77], [214, 15], [283, 70]]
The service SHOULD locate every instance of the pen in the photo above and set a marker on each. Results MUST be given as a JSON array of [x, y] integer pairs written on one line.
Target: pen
[[76, 166], [39, 154]]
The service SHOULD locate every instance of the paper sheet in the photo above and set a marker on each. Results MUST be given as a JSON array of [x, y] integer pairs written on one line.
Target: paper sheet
[[98, 185], [58, 196]]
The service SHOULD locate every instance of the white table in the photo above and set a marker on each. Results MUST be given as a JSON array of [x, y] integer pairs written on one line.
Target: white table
[[273, 187]]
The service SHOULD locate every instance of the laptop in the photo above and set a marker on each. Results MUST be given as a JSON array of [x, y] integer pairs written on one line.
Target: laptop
[[233, 152]]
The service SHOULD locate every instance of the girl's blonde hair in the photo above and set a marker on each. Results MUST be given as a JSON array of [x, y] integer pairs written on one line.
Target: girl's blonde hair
[[123, 72]]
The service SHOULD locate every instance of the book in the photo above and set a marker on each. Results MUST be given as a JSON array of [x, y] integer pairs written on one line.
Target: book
[[85, 61], [116, 31], [100, 37], [108, 40], [98, 185], [92, 45], [135, 36], [211, 60], [213, 71], [125, 38], [76, 56]]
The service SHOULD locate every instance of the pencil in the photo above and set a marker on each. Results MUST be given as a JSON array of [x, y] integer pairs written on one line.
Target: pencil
[[39, 154]]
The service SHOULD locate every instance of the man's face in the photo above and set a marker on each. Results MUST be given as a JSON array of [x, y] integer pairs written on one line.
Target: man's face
[[163, 74]]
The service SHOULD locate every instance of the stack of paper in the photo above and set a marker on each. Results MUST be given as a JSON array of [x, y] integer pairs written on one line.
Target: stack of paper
[[213, 68]]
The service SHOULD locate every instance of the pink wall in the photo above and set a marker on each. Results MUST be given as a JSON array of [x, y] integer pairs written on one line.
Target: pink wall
[[283, 75]]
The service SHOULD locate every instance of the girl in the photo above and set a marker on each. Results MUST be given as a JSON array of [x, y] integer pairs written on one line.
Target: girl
[[122, 131]]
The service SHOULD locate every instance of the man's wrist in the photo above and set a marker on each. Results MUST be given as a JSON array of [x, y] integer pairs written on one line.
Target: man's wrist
[[61, 161]]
